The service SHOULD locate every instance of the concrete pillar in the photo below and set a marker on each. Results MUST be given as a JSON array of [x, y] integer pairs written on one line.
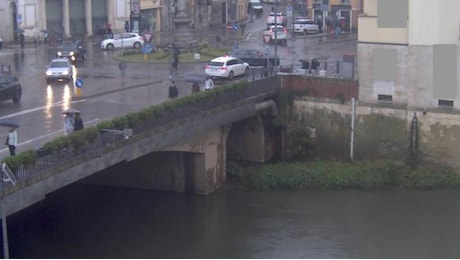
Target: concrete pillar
[[181, 24], [88, 18], [42, 15], [66, 18], [110, 11]]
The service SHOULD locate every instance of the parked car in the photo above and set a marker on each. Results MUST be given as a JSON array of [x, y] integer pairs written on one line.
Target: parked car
[[280, 18], [60, 68], [226, 67], [305, 25], [272, 1], [255, 57], [10, 88], [279, 30], [73, 50], [255, 7], [123, 40]]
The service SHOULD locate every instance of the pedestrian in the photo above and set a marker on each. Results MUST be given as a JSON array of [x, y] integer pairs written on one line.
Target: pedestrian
[[208, 83], [195, 88], [68, 123], [78, 122], [243, 27], [21, 39], [320, 25], [12, 141], [126, 26], [173, 92]]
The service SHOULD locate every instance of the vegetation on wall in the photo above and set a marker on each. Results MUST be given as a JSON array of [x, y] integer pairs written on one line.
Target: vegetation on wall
[[343, 175]]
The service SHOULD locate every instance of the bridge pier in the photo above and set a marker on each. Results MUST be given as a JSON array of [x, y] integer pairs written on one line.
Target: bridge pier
[[196, 167]]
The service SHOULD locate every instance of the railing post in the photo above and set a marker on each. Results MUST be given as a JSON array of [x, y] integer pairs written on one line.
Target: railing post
[[338, 68]]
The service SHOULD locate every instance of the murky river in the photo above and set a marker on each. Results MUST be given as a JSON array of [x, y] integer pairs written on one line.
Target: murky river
[[88, 221]]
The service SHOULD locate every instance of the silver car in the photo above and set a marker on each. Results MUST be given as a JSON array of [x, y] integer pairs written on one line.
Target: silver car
[[60, 68]]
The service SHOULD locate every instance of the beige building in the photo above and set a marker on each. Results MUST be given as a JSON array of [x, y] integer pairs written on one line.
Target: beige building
[[408, 52], [336, 9]]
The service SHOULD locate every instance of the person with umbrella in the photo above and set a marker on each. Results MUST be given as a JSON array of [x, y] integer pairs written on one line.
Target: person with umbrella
[[12, 138], [78, 122]]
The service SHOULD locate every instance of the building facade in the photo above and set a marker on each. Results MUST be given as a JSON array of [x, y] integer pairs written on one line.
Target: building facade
[[86, 18], [408, 52], [325, 10]]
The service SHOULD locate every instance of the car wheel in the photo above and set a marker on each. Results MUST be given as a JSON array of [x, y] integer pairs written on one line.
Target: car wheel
[[230, 75], [109, 46], [17, 96], [137, 45]]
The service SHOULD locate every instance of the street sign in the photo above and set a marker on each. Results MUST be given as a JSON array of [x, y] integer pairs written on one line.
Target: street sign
[[267, 38], [147, 49], [147, 37], [235, 26], [78, 83]]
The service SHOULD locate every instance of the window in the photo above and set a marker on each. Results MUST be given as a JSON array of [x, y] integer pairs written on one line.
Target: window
[[385, 61], [445, 103], [387, 98]]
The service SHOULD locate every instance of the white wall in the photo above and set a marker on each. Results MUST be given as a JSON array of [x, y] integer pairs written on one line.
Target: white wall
[[434, 22]]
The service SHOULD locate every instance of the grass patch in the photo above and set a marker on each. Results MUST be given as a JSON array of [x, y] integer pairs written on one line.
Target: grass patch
[[342, 175], [161, 56]]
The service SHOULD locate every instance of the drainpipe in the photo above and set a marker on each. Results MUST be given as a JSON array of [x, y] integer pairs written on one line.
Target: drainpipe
[[267, 105]]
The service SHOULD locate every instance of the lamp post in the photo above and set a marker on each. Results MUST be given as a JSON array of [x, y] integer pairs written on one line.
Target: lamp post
[[276, 34], [170, 35]]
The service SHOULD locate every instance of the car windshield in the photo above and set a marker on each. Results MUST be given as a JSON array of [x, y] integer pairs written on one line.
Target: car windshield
[[216, 63], [69, 45], [256, 4], [58, 64], [3, 80]]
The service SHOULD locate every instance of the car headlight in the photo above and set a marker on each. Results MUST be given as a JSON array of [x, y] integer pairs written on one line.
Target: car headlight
[[59, 53], [48, 73], [71, 53], [65, 73]]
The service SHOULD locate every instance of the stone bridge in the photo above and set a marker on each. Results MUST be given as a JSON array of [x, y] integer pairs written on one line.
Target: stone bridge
[[186, 152]]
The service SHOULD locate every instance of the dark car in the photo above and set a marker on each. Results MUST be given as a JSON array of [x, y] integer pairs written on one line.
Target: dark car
[[10, 88], [73, 50], [255, 58]]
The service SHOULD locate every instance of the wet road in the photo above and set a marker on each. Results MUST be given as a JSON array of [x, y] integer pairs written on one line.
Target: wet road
[[106, 93]]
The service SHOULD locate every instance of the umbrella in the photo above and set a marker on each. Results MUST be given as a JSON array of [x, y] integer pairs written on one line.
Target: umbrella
[[193, 80], [9, 123], [71, 111]]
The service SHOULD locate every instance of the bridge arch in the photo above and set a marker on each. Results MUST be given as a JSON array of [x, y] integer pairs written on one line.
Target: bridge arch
[[246, 140]]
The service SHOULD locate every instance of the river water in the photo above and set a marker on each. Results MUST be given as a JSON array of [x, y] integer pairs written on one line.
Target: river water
[[90, 221]]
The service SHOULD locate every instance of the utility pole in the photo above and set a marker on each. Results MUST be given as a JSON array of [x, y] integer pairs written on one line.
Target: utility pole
[[170, 36], [276, 35]]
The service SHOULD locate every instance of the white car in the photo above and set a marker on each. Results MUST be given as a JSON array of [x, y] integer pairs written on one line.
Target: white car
[[279, 30], [60, 68], [123, 40], [305, 25], [280, 18], [226, 67]]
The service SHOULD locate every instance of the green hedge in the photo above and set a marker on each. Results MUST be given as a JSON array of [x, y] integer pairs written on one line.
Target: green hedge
[[342, 175]]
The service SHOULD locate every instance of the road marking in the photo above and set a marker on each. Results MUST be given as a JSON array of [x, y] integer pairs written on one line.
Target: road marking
[[40, 108]]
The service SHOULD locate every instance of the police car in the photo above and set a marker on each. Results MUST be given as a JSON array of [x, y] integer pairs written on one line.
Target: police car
[[226, 67]]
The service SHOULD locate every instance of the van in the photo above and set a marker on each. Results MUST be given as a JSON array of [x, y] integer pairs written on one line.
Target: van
[[305, 25], [255, 7]]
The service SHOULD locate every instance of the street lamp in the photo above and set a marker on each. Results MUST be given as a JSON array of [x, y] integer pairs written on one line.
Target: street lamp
[[171, 10], [276, 34]]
